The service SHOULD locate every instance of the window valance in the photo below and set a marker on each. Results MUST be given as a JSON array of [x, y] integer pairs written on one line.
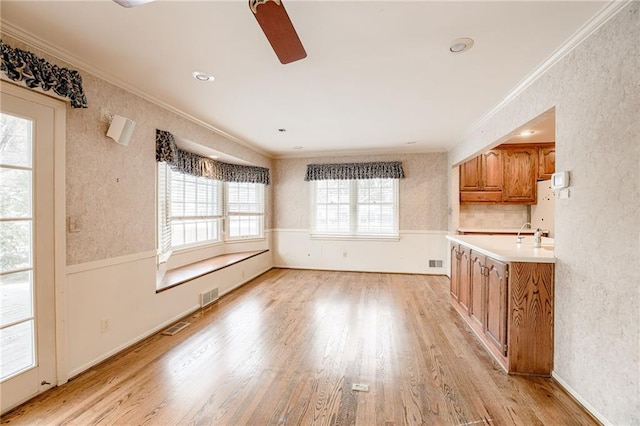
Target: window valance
[[344, 171], [20, 65], [187, 162]]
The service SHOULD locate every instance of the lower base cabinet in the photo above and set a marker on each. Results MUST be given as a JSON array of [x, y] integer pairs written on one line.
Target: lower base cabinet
[[509, 306]]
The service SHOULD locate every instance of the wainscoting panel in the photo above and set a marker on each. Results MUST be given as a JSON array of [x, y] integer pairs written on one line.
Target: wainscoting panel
[[113, 305], [295, 248]]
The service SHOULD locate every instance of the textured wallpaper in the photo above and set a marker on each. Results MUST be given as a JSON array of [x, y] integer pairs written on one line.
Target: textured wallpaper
[[423, 191], [111, 188], [595, 90]]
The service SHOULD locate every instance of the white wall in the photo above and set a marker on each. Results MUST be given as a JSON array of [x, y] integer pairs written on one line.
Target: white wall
[[595, 90], [294, 248], [123, 291]]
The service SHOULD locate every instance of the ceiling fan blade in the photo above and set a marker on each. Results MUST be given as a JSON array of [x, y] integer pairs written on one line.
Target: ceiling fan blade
[[276, 25], [132, 3]]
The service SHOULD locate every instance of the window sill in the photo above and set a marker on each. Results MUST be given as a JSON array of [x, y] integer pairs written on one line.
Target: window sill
[[244, 240], [177, 276]]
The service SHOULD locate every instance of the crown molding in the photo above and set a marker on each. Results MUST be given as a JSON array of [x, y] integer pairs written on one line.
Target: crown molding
[[355, 152], [26, 37], [591, 26]]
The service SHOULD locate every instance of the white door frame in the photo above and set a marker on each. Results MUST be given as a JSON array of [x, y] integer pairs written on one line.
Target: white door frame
[[59, 216]]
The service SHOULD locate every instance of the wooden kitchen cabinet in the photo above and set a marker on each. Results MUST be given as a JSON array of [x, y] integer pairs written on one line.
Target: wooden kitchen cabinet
[[464, 277], [481, 178], [477, 284], [507, 174], [546, 161], [496, 304], [471, 175], [520, 175], [508, 305], [455, 270], [460, 264]]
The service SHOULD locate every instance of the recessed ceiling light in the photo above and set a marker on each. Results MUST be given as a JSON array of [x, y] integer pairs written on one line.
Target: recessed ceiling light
[[297, 147], [201, 76], [460, 45], [527, 132]]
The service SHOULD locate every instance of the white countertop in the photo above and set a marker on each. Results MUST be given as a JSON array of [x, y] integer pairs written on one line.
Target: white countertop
[[497, 230], [505, 248]]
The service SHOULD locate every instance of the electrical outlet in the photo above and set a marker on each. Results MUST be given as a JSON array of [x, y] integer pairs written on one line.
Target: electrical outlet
[[105, 325], [344, 254]]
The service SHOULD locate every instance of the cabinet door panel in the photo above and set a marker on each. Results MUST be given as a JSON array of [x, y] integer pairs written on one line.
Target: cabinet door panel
[[477, 283], [520, 173], [496, 304], [492, 170], [471, 175], [455, 267], [546, 162], [463, 277]]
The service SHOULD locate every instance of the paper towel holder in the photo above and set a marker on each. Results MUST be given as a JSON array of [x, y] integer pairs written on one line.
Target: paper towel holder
[[121, 129]]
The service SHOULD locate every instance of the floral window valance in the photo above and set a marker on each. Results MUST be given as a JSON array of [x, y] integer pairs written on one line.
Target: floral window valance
[[20, 65], [344, 171], [193, 164]]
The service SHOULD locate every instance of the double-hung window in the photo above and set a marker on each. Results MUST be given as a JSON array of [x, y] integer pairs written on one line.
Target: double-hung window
[[355, 208], [244, 210], [355, 200], [191, 210]]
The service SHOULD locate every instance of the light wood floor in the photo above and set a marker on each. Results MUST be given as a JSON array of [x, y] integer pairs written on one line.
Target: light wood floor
[[286, 349]]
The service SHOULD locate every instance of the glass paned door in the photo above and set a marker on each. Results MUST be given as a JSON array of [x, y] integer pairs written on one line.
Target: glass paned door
[[27, 244], [17, 331]]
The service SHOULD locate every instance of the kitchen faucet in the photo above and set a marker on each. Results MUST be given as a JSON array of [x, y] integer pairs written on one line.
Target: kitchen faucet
[[519, 238]]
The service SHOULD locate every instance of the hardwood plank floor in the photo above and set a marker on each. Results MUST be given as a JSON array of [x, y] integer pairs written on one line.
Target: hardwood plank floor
[[286, 349]]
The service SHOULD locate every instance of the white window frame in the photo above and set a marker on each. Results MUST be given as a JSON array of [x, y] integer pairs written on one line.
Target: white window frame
[[198, 218], [163, 207], [354, 205], [258, 212]]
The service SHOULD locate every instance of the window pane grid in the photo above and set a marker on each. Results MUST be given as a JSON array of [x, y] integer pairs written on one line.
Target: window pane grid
[[366, 207], [245, 210], [333, 207], [190, 210]]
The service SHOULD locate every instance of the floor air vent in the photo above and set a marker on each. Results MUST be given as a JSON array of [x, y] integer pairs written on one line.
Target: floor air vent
[[209, 297], [175, 328], [435, 264]]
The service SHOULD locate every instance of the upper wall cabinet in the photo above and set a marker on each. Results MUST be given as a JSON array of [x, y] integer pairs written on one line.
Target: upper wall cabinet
[[520, 175], [481, 178], [546, 161], [506, 174]]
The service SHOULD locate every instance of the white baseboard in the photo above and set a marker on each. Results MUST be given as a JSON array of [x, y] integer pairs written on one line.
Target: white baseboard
[[580, 400]]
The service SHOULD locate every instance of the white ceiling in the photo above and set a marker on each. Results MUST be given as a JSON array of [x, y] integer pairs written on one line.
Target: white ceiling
[[378, 74]]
